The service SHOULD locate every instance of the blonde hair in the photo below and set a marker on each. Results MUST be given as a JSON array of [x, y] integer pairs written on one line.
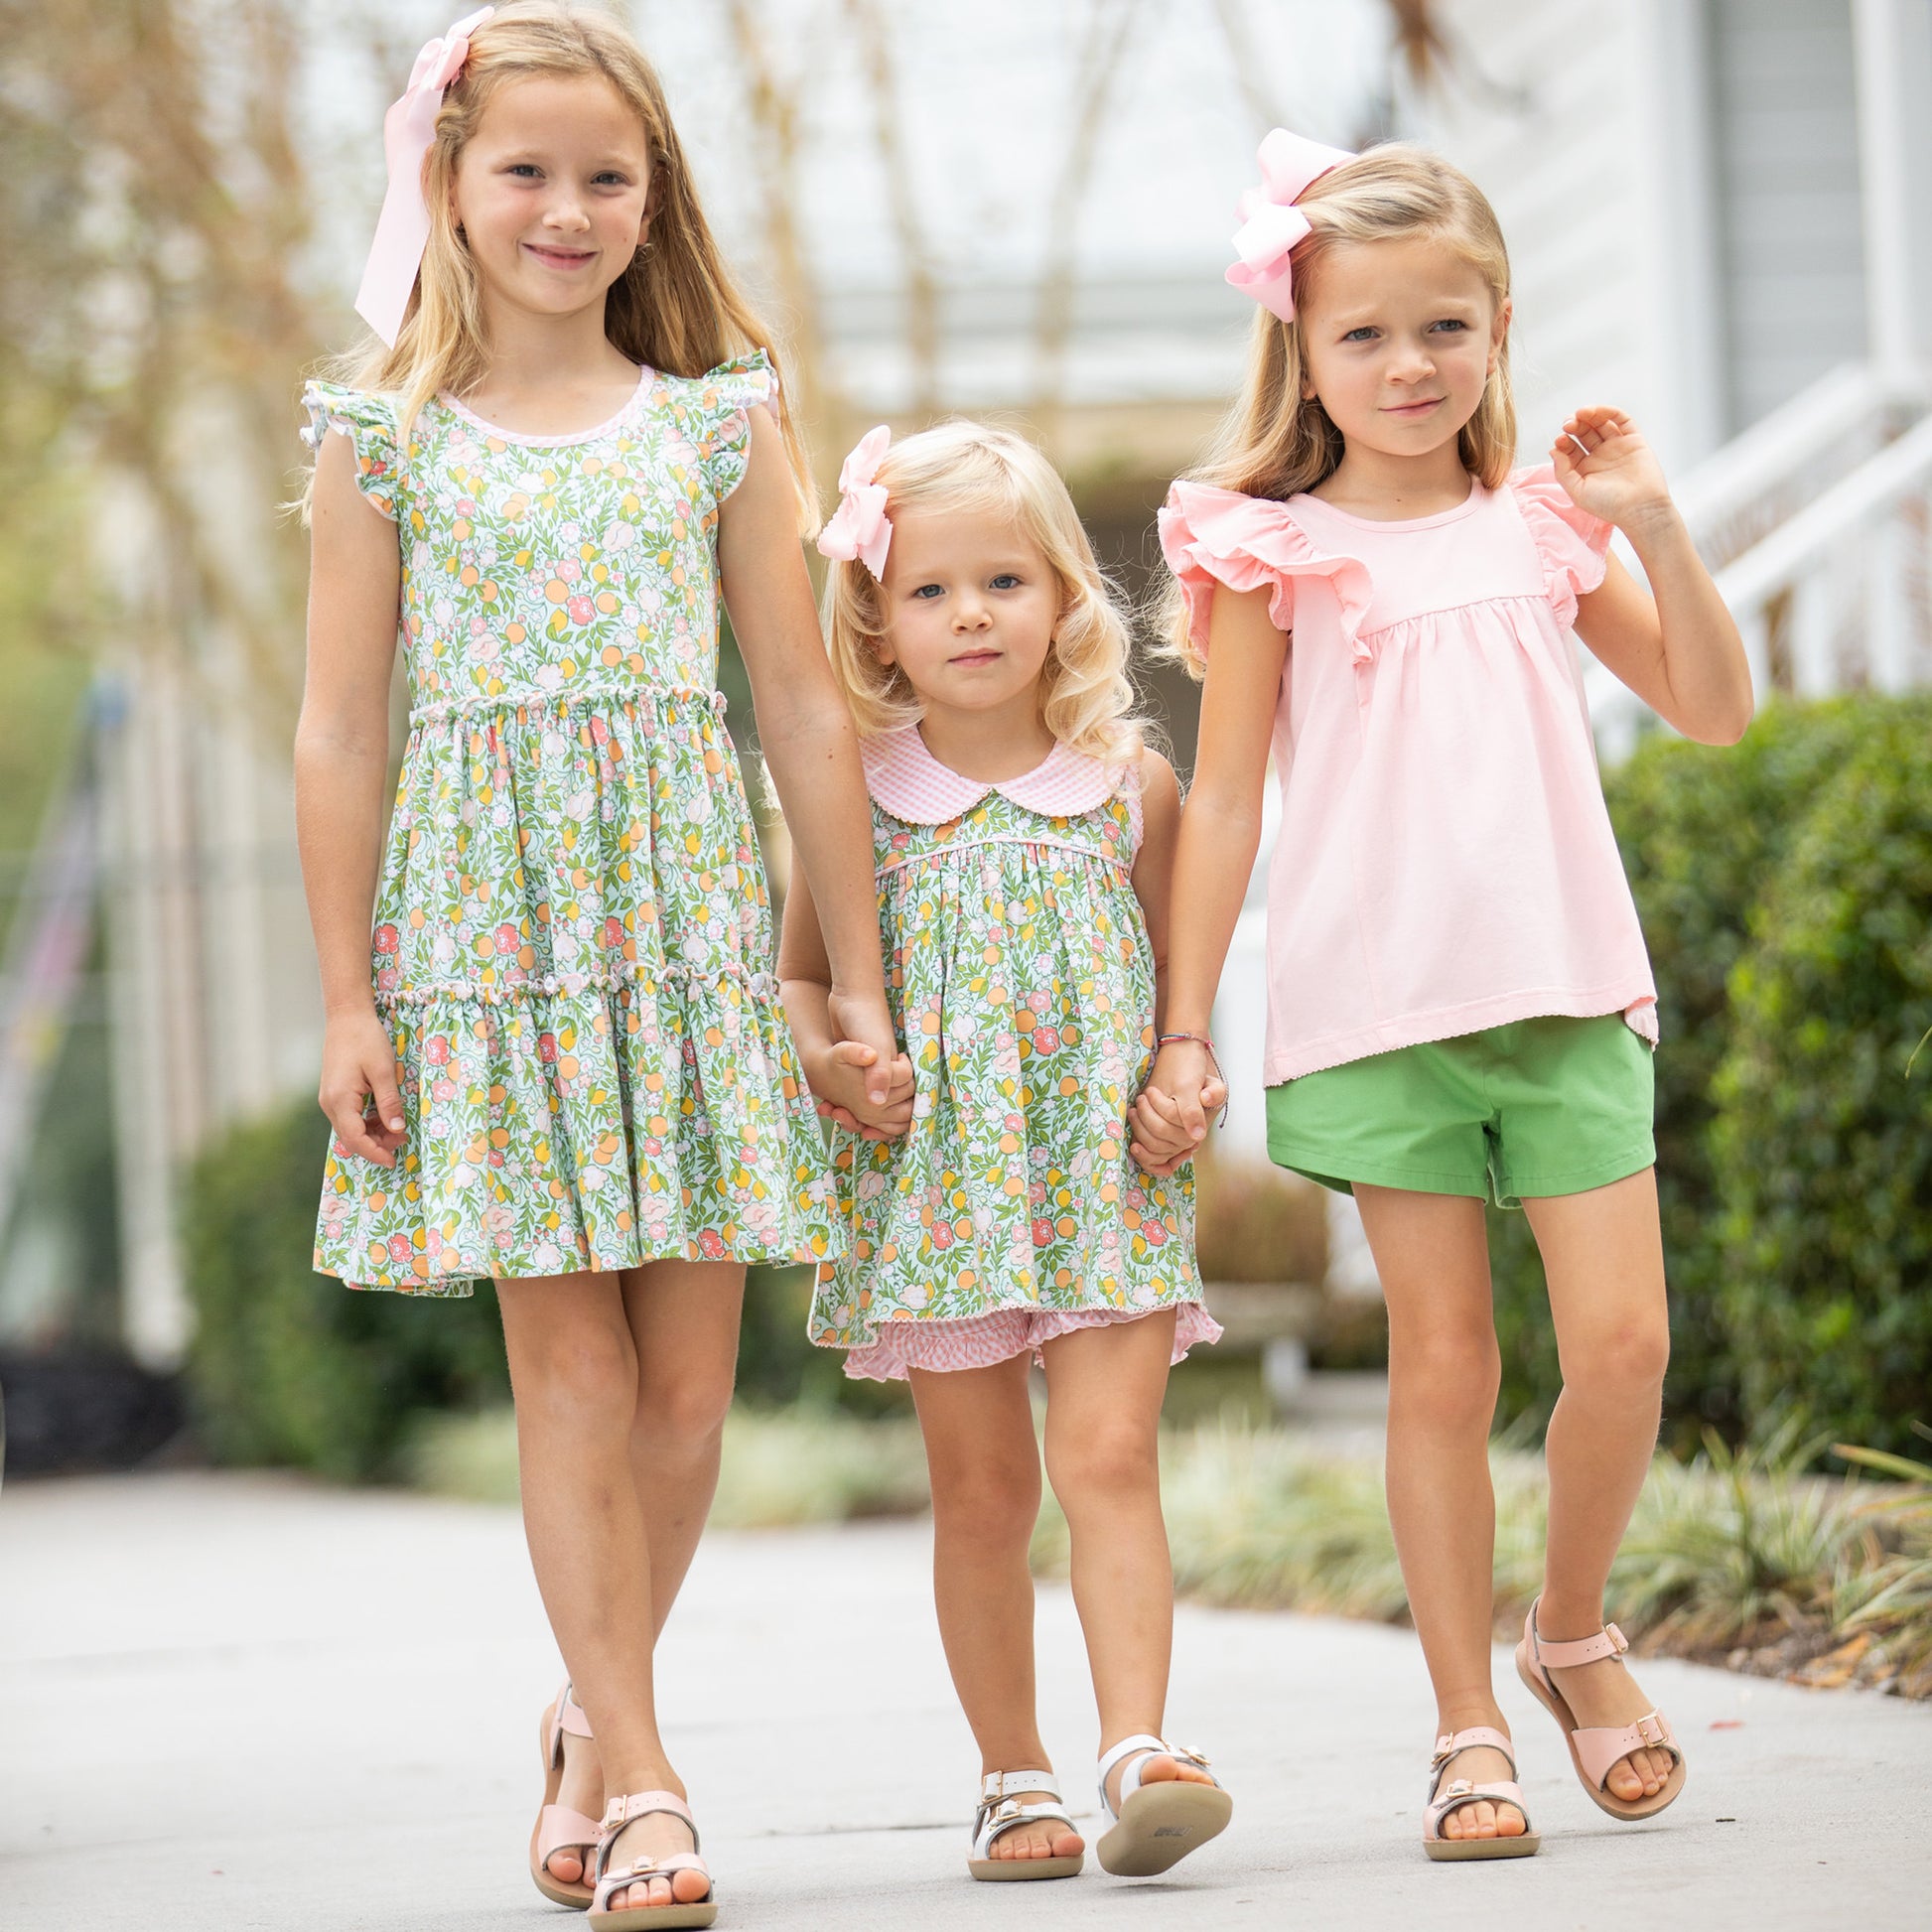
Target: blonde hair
[[1275, 442], [966, 467], [675, 308]]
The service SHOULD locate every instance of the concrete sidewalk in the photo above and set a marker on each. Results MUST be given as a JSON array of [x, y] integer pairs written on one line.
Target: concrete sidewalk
[[249, 1702]]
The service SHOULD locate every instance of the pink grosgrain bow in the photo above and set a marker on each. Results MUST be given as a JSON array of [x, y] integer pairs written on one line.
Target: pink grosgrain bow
[[402, 228], [1271, 224], [860, 528]]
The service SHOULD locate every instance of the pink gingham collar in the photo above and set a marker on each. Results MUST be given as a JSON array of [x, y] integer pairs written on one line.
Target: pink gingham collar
[[906, 779]]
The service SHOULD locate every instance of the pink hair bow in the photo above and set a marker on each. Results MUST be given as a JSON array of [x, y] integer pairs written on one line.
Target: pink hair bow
[[1271, 224], [402, 228], [858, 529]]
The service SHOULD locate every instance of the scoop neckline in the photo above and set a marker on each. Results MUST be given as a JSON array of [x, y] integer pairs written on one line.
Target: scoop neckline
[[646, 376], [1466, 507]]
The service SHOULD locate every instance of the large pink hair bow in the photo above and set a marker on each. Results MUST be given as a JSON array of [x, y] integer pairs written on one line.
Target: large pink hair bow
[[858, 529], [402, 228], [1271, 224]]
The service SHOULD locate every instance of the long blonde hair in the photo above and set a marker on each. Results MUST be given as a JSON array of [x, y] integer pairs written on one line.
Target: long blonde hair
[[967, 468], [1276, 442], [676, 307]]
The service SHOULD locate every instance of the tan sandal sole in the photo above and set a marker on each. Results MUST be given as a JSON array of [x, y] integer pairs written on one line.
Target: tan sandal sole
[[578, 1897], [652, 1917], [1523, 1846], [999, 1870], [1553, 1700], [1160, 1824]]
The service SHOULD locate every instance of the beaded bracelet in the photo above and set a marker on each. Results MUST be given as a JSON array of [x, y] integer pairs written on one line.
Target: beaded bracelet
[[1200, 1039]]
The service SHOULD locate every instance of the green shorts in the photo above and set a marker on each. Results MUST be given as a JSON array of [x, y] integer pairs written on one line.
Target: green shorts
[[1549, 1106]]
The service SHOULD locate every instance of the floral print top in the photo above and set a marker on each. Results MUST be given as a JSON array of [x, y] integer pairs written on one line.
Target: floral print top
[[1022, 984], [572, 948]]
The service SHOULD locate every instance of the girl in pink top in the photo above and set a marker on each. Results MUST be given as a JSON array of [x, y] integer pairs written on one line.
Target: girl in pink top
[[1459, 1000]]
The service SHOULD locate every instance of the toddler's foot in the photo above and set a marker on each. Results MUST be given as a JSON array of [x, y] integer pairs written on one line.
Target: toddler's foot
[[1156, 1769], [1038, 1838]]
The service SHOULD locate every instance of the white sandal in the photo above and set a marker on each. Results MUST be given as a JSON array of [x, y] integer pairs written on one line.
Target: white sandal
[[997, 1814], [1158, 1825]]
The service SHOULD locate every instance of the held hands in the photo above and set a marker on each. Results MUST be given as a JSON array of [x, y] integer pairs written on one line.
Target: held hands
[[863, 1019], [1169, 1119], [1610, 470], [838, 1078], [360, 1091]]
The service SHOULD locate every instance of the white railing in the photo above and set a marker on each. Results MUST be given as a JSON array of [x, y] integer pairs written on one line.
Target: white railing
[[1816, 521]]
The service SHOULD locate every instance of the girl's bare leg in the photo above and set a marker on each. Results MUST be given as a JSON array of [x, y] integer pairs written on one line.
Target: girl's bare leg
[[1104, 1387], [1432, 1255], [1603, 1256], [978, 1425], [609, 1374]]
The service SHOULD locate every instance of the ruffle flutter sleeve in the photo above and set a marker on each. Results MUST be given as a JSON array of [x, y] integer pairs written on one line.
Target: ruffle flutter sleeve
[[369, 423], [726, 396], [1215, 536], [1571, 543]]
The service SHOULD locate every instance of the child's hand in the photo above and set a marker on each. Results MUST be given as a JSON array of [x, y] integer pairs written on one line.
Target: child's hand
[[361, 1090], [1160, 1142], [1608, 468], [838, 1080], [1169, 1119], [864, 1020]]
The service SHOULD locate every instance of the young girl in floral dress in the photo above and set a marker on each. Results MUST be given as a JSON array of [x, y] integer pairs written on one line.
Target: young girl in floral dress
[[1022, 836], [1460, 1002], [566, 1067]]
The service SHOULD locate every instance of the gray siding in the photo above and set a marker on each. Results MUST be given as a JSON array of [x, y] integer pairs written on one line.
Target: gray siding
[[1786, 149]]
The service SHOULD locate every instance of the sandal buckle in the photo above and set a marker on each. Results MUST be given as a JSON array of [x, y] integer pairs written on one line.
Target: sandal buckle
[[1650, 1729], [1619, 1641]]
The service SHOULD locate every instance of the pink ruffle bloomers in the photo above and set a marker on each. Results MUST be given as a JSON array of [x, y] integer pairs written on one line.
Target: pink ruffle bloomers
[[981, 1340]]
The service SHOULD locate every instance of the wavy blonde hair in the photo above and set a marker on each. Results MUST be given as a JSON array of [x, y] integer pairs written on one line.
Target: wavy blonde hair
[[966, 467], [1276, 442], [676, 307]]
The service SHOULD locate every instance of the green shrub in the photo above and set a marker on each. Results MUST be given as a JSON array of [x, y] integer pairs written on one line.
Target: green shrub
[[289, 1366], [777, 1366], [1703, 829], [1824, 1139]]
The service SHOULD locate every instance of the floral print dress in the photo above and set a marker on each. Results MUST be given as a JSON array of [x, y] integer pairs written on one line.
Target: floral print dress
[[1022, 984], [572, 948]]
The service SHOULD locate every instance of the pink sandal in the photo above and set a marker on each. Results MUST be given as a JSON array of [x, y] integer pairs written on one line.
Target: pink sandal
[[648, 1918], [1595, 1751], [1443, 1799], [558, 1828]]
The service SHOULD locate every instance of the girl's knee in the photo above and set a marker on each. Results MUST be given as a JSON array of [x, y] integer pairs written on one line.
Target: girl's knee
[[685, 1400], [985, 1496], [1098, 1462], [587, 1372], [1447, 1378], [1625, 1359]]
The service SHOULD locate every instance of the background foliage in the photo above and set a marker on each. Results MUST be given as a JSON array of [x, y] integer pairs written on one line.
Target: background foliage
[[1785, 887]]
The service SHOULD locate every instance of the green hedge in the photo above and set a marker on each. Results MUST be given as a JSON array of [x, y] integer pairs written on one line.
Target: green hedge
[[289, 1366], [1715, 841], [1823, 1135]]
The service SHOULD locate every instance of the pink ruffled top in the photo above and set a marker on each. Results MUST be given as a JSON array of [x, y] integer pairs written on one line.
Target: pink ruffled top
[[1446, 862]]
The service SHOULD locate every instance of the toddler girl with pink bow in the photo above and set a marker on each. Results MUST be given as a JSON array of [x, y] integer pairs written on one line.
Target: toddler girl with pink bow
[[560, 1061], [1459, 1002], [994, 1213]]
